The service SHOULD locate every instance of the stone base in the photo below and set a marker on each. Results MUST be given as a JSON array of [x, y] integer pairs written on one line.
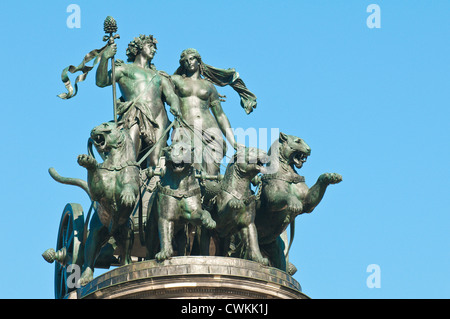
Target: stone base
[[195, 278]]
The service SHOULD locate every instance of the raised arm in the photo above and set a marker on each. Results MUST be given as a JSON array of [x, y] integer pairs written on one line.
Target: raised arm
[[103, 76]]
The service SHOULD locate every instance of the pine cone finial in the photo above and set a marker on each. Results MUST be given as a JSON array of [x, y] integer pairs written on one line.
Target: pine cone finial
[[110, 25]]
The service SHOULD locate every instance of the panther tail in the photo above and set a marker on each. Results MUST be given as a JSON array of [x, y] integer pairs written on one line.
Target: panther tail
[[69, 180]]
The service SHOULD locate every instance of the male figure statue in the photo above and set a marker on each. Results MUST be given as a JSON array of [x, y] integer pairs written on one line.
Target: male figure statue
[[144, 90], [141, 111]]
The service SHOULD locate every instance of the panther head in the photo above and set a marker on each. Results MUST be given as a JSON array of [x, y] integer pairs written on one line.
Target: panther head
[[293, 150], [250, 160], [107, 136], [178, 156]]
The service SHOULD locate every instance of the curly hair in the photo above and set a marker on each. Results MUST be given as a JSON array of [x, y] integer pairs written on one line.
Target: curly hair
[[136, 45]]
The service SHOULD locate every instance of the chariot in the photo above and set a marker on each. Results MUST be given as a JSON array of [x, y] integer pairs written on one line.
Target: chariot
[[74, 229], [122, 187], [70, 243]]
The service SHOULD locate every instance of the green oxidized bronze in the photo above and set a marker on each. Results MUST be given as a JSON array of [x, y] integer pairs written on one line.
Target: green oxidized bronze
[[178, 203], [236, 204], [144, 90], [114, 185], [202, 116], [173, 198], [285, 195]]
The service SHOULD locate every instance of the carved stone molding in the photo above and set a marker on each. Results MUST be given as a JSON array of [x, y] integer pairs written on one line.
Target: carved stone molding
[[193, 277]]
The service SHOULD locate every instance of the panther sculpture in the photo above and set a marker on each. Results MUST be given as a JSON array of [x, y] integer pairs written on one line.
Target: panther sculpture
[[114, 185], [177, 203], [236, 205], [284, 195]]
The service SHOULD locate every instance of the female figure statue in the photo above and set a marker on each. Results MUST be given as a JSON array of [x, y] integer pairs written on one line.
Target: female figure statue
[[202, 116]]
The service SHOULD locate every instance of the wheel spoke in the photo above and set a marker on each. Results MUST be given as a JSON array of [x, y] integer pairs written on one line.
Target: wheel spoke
[[59, 281], [67, 241], [62, 289], [68, 232]]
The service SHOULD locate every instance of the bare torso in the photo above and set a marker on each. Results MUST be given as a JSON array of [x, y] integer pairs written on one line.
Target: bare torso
[[195, 97], [143, 84]]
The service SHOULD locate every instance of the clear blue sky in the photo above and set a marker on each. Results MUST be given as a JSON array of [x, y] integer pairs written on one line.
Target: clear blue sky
[[373, 104]]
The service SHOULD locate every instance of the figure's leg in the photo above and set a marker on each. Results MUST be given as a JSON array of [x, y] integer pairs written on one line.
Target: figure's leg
[[181, 241], [203, 220], [136, 138], [161, 142], [213, 154], [167, 214], [203, 217], [152, 241], [128, 184], [98, 236], [124, 238], [316, 192], [250, 237], [166, 233], [275, 253]]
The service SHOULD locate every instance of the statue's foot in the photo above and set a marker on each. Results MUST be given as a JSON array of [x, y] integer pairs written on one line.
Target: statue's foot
[[86, 277], [164, 254], [259, 259]]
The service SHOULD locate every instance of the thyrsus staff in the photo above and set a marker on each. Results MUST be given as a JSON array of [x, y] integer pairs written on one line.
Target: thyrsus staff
[[110, 26]]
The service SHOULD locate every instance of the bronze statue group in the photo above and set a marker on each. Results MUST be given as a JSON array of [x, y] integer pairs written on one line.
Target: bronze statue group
[[171, 195]]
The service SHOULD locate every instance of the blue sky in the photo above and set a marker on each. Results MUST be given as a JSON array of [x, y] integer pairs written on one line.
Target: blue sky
[[373, 104]]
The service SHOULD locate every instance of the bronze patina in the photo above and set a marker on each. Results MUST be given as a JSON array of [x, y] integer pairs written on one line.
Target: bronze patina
[[190, 209]]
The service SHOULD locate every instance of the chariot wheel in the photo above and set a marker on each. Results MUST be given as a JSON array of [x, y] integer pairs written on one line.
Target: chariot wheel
[[69, 250]]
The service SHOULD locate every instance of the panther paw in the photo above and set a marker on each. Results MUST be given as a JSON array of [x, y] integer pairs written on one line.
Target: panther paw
[[236, 204], [259, 259], [295, 207], [128, 198], [209, 223], [330, 178], [87, 161], [164, 254]]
